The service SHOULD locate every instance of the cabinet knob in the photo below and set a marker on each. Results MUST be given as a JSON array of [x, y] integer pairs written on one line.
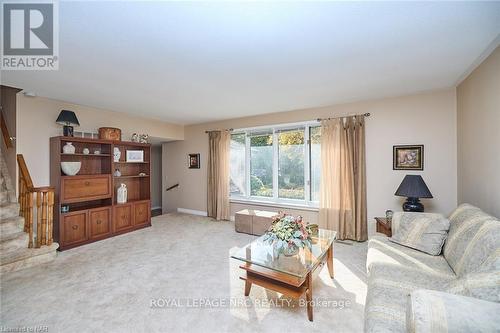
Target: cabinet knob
[[87, 183], [74, 227], [98, 221]]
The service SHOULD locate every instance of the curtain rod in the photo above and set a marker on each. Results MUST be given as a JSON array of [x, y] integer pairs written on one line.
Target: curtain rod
[[364, 114], [229, 129]]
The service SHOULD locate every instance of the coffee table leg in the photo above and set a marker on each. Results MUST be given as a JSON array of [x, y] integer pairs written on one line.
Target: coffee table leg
[[248, 285], [309, 298], [329, 260]]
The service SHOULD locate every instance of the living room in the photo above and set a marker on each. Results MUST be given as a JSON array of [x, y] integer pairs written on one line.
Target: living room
[[251, 166]]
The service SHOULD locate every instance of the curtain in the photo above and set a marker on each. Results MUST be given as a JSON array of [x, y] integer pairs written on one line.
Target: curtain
[[218, 175], [343, 178]]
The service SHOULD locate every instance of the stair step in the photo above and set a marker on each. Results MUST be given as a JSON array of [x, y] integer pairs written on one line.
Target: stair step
[[10, 227], [4, 196], [24, 258], [15, 243], [10, 209]]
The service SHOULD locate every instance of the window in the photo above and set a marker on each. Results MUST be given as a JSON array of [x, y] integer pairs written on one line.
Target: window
[[315, 166], [237, 165], [281, 164], [291, 155], [261, 165]]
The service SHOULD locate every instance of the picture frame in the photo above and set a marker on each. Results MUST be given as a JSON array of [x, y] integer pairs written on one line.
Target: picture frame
[[136, 156], [194, 161], [408, 157]]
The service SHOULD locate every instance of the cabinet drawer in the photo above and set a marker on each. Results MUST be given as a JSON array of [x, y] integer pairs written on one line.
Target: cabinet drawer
[[100, 222], [77, 188], [74, 228], [141, 213], [122, 217]]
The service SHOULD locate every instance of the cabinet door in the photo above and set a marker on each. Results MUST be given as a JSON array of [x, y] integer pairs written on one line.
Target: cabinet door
[[74, 227], [100, 222], [80, 188], [141, 213], [122, 217]]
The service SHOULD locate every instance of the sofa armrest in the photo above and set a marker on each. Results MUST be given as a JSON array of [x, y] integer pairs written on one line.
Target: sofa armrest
[[436, 311], [398, 216]]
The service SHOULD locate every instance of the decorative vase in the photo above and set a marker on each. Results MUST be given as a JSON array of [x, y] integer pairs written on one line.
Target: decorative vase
[[290, 250], [116, 154], [68, 148], [121, 196], [71, 168], [86, 151]]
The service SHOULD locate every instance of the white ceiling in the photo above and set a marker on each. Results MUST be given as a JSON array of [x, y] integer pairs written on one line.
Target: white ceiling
[[197, 62]]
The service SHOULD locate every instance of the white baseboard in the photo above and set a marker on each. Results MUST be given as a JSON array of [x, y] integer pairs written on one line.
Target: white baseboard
[[192, 212], [157, 207]]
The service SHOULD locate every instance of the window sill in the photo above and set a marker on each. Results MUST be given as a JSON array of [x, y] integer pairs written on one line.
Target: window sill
[[254, 202]]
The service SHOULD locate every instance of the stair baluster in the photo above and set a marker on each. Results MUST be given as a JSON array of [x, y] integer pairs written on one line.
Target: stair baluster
[[35, 199]]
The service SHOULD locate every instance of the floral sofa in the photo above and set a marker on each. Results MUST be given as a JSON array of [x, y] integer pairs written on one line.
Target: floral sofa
[[459, 290]]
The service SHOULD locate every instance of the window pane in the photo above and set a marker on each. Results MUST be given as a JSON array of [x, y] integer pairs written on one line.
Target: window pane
[[315, 163], [261, 165], [237, 166], [291, 164]]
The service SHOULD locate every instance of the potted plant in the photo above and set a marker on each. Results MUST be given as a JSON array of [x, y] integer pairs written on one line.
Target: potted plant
[[288, 233]]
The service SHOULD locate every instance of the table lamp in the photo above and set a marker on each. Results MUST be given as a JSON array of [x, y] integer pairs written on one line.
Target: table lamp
[[413, 187]]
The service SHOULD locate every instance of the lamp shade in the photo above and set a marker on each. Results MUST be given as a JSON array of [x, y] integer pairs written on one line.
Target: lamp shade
[[413, 186], [67, 117]]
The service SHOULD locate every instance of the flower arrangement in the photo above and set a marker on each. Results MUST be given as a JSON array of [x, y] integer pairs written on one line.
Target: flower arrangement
[[289, 233]]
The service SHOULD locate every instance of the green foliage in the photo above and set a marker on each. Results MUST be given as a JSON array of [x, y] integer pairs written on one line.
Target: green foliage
[[261, 140], [255, 183], [239, 138]]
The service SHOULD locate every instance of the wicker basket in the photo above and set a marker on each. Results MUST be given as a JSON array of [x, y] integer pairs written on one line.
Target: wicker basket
[[110, 133]]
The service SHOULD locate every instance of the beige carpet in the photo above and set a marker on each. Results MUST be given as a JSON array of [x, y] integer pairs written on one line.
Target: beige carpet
[[110, 286]]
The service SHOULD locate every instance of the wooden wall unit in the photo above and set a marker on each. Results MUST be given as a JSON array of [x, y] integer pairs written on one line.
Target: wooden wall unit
[[94, 213]]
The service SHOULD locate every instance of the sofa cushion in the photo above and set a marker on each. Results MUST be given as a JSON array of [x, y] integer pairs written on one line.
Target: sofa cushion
[[382, 252], [386, 299], [483, 285], [434, 311], [473, 243], [425, 232]]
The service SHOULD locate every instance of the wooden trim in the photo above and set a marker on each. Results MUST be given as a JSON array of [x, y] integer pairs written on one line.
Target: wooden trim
[[5, 132]]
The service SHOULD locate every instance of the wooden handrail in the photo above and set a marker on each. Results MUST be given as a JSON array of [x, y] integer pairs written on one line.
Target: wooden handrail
[[23, 172], [5, 132], [35, 201], [172, 187]]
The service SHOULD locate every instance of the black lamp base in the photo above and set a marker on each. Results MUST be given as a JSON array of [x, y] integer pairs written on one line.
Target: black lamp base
[[67, 130], [413, 205]]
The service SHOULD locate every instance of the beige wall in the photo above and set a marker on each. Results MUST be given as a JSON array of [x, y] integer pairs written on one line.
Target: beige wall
[[156, 175], [428, 119], [478, 112], [36, 118]]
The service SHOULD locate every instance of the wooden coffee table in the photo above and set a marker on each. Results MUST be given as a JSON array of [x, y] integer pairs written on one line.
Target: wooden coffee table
[[291, 276]]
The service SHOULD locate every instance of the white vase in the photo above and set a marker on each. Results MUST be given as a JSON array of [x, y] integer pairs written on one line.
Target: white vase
[[68, 148], [86, 151], [116, 154], [121, 196]]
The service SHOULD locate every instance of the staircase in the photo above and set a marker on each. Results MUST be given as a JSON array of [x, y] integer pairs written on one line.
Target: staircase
[[15, 253]]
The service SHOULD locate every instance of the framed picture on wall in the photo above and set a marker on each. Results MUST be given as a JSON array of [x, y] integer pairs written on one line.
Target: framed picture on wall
[[408, 157], [194, 161], [135, 156]]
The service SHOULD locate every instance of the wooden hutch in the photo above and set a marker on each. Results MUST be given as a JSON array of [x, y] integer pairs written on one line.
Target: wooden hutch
[[90, 195]]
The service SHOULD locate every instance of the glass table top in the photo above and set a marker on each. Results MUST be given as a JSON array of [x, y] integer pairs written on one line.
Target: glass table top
[[264, 254]]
